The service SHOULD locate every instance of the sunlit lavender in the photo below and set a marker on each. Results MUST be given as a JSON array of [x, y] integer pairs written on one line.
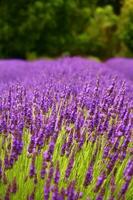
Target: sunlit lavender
[[66, 130]]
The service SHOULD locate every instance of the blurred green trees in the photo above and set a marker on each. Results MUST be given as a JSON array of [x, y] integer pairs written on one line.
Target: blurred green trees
[[34, 28], [125, 28]]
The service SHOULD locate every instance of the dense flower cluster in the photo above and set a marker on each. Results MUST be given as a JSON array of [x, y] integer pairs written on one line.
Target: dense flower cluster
[[124, 65], [65, 131]]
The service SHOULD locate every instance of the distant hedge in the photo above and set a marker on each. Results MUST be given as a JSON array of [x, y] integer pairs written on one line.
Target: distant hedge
[[34, 28]]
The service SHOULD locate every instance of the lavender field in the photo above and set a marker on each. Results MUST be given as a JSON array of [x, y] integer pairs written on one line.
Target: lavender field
[[66, 129]]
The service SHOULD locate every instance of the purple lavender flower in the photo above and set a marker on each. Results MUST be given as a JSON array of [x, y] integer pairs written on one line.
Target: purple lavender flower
[[55, 193], [101, 194], [8, 194], [6, 161], [128, 172], [43, 169], [124, 189], [89, 176], [47, 190], [57, 174], [100, 181], [69, 167], [51, 147], [63, 148], [32, 167], [47, 156], [32, 195], [51, 171]]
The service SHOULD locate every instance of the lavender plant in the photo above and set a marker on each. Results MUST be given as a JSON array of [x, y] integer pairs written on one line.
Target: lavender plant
[[65, 131]]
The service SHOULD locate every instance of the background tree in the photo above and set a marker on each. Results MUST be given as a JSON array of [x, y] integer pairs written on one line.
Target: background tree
[[125, 29], [72, 27]]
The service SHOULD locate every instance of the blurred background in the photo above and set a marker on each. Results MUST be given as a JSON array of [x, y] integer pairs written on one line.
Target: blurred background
[[31, 29]]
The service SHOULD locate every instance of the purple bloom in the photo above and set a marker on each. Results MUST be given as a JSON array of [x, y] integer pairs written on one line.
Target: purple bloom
[[6, 161], [51, 171], [69, 167], [101, 194], [47, 156], [124, 189], [55, 193], [32, 168], [51, 147], [8, 194], [57, 174], [63, 148], [128, 172], [47, 190], [89, 176], [43, 169], [100, 181]]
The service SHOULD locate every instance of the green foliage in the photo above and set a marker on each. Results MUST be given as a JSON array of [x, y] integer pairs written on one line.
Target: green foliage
[[100, 31], [64, 27], [126, 25], [116, 4]]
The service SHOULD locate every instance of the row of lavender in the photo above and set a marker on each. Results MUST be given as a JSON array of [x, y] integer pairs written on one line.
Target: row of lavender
[[65, 131]]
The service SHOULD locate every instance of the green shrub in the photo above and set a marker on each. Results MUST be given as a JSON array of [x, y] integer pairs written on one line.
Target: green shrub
[[98, 38], [125, 29], [65, 27]]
